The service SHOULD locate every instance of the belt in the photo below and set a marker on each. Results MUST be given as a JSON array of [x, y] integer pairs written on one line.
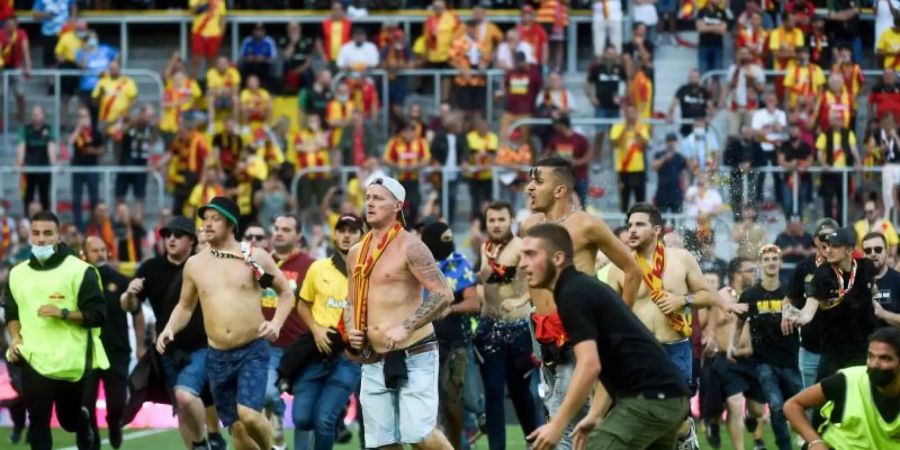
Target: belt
[[421, 347]]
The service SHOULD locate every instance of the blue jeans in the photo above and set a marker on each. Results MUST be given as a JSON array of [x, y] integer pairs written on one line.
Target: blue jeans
[[273, 402], [804, 194], [779, 383], [79, 181], [809, 367], [709, 58], [320, 394]]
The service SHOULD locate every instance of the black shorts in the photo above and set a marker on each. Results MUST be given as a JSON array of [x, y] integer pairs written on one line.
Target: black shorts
[[470, 98], [136, 181], [48, 47], [739, 378], [69, 84]]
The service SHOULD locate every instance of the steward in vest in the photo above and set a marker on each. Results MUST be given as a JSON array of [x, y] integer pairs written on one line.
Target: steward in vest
[[55, 308], [860, 405]]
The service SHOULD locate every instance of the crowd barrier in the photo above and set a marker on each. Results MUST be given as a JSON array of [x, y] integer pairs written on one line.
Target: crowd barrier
[[56, 75]]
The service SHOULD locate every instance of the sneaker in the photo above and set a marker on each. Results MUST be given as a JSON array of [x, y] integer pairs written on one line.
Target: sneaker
[[216, 441], [115, 437], [689, 440], [343, 435], [759, 445], [713, 435], [85, 439], [16, 436]]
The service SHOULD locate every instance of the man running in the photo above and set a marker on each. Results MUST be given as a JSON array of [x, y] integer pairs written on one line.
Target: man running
[[550, 198], [610, 343], [390, 325], [503, 339], [228, 279], [673, 283], [774, 353]]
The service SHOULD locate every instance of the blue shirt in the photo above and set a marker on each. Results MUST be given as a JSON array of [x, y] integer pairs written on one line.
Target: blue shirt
[[59, 9], [96, 63], [460, 275], [266, 47]]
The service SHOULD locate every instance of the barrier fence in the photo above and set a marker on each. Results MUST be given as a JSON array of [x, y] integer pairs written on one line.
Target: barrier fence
[[56, 75], [61, 176]]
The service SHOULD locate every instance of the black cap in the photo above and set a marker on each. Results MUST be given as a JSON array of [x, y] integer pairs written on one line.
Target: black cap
[[226, 207], [842, 237], [180, 223], [349, 220], [826, 224]]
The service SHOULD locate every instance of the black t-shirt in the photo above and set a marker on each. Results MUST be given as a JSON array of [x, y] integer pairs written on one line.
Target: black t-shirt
[[303, 50], [712, 16], [669, 175], [451, 330], [606, 79], [785, 240], [36, 140], [315, 102], [87, 141], [633, 361], [115, 332], [137, 143], [740, 151], [162, 287], [693, 98], [798, 153], [849, 321], [834, 388], [888, 293], [811, 333], [630, 48], [137, 235], [845, 29], [770, 345]]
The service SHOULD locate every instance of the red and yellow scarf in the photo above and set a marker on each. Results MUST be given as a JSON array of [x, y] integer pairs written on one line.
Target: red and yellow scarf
[[362, 272], [652, 275]]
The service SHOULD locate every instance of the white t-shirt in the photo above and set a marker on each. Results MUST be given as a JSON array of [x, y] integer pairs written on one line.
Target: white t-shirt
[[695, 204], [739, 92], [762, 118], [884, 19], [352, 55], [646, 13], [613, 7], [505, 55]]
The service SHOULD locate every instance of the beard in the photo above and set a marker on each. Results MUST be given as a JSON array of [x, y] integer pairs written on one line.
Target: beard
[[549, 276], [506, 237]]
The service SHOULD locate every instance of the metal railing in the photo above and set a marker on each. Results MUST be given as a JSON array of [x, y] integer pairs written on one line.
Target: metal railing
[[58, 173], [183, 19], [706, 76], [57, 75]]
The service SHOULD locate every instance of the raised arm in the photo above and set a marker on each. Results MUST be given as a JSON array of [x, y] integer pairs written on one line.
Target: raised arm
[[600, 234]]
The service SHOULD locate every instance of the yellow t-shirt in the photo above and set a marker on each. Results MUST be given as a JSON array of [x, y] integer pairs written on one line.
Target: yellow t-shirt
[[889, 44], [256, 103], [116, 97], [793, 39], [802, 81], [882, 226], [169, 120], [209, 22], [438, 46], [325, 288], [67, 46], [482, 150], [840, 154], [629, 151], [228, 80]]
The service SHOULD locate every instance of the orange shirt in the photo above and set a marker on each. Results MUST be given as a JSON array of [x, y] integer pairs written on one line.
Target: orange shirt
[[406, 155]]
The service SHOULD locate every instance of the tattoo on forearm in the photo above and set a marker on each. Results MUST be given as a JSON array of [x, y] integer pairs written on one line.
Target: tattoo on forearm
[[348, 317], [422, 262], [430, 309]]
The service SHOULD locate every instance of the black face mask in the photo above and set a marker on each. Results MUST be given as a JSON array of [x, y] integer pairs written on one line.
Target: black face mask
[[433, 235], [881, 377]]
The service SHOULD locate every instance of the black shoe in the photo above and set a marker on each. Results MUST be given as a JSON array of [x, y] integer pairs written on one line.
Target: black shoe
[[217, 442], [713, 436], [85, 439], [115, 437], [343, 435], [16, 436]]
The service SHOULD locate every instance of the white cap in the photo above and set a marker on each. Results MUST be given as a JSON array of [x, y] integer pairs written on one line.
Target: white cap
[[393, 186]]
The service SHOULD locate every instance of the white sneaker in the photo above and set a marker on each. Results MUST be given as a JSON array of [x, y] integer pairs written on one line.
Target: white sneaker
[[689, 441]]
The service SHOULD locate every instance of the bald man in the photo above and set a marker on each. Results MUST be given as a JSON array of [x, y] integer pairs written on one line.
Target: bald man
[[116, 343]]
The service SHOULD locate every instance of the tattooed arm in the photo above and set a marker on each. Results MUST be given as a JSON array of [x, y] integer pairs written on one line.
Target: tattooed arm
[[422, 265]]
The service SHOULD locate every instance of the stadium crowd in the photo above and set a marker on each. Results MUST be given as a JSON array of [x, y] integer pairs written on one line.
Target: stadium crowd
[[786, 323]]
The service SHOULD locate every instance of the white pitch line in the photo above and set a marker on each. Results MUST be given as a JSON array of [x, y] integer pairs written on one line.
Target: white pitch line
[[129, 437]]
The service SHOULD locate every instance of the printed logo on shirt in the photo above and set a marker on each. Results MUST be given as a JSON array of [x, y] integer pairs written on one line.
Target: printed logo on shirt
[[769, 306], [883, 297], [335, 303]]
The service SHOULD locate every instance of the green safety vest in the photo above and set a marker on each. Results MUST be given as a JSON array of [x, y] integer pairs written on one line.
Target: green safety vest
[[861, 426], [54, 348]]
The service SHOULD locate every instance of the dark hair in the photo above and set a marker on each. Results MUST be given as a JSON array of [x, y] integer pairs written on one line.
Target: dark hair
[[292, 217], [499, 206], [889, 336], [45, 216], [734, 266], [561, 168], [648, 209], [875, 235], [556, 237], [620, 229]]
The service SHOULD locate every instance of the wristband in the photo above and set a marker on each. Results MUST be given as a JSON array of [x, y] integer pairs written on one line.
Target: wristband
[[815, 442], [64, 314]]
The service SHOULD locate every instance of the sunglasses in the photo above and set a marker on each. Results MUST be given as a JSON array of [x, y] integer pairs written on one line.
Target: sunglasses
[[870, 211], [876, 250], [255, 237], [178, 234]]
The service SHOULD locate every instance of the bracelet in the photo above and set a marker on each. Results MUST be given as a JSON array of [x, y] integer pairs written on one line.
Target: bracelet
[[815, 442], [64, 314]]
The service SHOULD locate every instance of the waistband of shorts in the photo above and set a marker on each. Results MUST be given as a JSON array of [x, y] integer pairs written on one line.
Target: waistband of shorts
[[245, 347], [426, 344]]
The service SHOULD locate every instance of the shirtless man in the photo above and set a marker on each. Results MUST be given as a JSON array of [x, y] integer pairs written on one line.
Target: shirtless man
[[732, 377], [229, 286], [550, 198], [389, 325], [503, 339], [673, 283]]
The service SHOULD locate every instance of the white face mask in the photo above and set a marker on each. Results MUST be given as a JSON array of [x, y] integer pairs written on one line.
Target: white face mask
[[42, 252]]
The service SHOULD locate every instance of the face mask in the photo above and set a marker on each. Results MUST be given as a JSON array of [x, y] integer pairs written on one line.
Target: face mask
[[699, 132], [42, 252], [880, 377], [434, 237], [343, 98], [81, 35], [92, 42]]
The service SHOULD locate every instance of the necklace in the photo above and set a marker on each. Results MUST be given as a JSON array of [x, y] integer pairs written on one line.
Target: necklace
[[563, 219], [224, 255]]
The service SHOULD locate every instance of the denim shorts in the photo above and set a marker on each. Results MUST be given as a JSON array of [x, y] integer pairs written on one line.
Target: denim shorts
[[238, 377], [191, 377], [400, 416], [682, 355]]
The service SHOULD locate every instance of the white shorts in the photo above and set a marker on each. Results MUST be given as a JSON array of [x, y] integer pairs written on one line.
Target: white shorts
[[400, 416]]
